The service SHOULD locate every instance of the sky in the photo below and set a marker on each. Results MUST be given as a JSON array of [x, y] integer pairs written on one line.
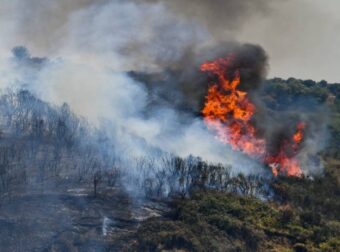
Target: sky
[[301, 37]]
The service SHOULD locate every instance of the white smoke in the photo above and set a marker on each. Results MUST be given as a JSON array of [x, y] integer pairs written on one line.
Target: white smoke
[[90, 47], [87, 66]]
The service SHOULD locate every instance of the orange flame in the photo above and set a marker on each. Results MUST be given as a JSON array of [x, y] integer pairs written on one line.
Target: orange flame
[[228, 112]]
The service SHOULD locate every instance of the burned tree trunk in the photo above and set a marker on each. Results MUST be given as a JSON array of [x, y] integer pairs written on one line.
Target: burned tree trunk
[[96, 180]]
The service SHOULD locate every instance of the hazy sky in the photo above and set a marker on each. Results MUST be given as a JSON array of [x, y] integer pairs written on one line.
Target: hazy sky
[[301, 37]]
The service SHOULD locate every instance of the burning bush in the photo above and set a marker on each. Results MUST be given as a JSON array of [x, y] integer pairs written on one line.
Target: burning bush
[[230, 113]]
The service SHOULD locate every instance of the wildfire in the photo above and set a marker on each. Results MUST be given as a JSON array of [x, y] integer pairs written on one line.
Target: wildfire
[[228, 112]]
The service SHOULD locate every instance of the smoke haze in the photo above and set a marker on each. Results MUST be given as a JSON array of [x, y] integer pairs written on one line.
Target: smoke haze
[[90, 54]]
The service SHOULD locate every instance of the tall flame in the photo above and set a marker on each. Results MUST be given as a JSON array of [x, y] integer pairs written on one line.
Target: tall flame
[[228, 112]]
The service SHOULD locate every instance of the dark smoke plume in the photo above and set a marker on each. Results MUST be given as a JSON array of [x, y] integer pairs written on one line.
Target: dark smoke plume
[[184, 86]]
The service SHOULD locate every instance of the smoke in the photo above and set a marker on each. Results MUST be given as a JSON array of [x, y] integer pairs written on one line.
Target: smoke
[[134, 34], [131, 67], [221, 18], [286, 29]]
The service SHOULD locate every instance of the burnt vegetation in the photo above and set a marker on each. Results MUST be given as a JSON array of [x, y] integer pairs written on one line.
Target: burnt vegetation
[[298, 214], [44, 147], [41, 143]]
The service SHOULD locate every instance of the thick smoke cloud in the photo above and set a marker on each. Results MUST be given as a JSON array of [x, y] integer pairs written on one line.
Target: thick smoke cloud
[[119, 106], [184, 86], [286, 29], [141, 35], [131, 65]]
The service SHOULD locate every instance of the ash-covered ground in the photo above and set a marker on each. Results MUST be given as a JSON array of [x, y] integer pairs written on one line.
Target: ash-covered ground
[[61, 217]]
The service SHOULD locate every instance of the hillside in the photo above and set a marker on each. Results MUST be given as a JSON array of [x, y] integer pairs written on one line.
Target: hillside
[[63, 189], [299, 214]]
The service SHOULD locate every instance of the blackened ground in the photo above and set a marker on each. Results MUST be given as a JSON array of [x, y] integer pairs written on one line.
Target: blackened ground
[[72, 219]]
